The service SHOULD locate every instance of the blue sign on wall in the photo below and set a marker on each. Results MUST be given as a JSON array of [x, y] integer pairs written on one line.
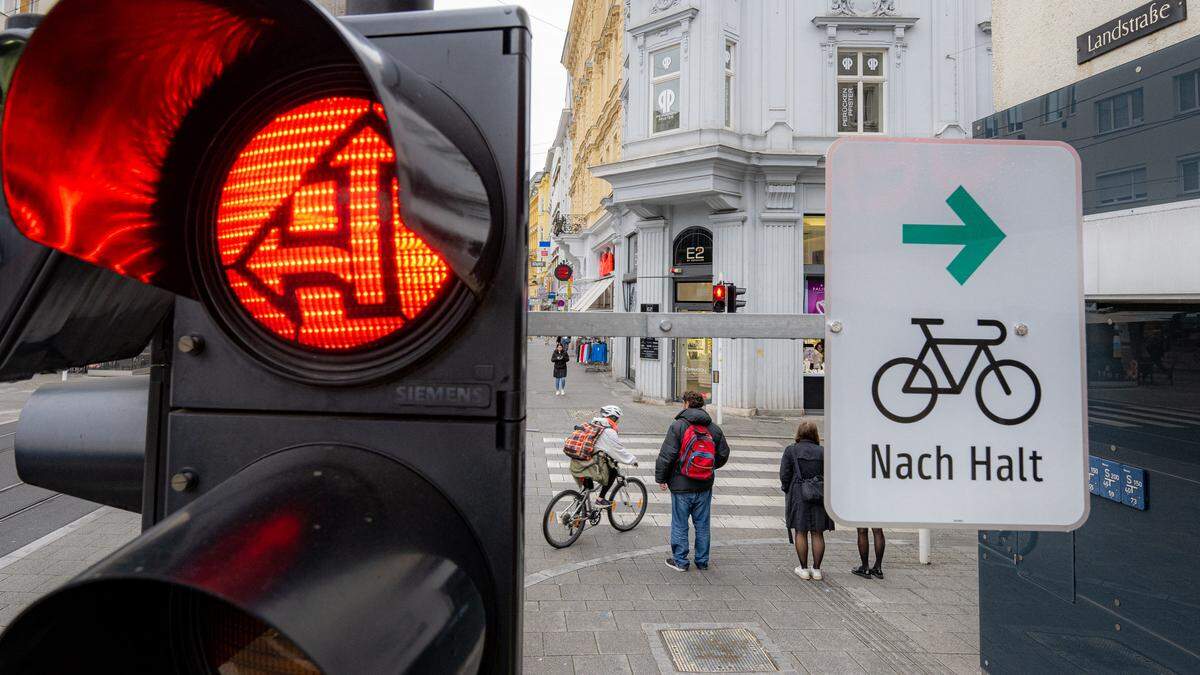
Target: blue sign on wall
[[1118, 482]]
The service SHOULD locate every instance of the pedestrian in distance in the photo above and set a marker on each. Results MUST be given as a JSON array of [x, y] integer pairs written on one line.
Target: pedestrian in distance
[[559, 358], [802, 477], [863, 551], [687, 462]]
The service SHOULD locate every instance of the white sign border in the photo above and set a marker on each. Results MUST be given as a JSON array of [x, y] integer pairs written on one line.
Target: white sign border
[[831, 316]]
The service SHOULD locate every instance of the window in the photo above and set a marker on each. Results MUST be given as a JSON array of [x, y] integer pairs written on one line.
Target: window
[[860, 82], [1121, 186], [1059, 104], [1187, 91], [693, 291], [1119, 112], [729, 62], [1014, 120], [814, 240], [631, 258], [990, 126], [664, 90], [1189, 174]]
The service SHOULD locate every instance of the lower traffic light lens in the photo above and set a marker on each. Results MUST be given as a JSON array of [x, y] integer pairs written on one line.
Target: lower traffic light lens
[[309, 233]]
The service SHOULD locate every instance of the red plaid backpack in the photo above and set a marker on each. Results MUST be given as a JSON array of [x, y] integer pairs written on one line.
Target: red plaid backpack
[[581, 444]]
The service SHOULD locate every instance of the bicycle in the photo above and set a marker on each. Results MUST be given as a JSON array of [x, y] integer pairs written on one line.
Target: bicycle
[[933, 389], [573, 510]]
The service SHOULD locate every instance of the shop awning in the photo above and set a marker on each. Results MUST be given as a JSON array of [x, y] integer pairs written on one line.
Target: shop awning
[[589, 297]]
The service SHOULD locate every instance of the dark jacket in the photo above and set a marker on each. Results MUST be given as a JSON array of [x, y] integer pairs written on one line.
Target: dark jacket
[[800, 461], [666, 469], [559, 359]]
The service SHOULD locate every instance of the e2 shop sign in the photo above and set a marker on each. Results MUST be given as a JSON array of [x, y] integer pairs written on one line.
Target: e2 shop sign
[[1134, 25]]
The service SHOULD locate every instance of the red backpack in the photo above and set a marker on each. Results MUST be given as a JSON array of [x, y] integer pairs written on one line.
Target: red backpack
[[697, 453]]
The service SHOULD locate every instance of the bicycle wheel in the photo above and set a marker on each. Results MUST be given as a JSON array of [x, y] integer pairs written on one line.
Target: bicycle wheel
[[894, 388], [628, 505], [564, 519], [1019, 381]]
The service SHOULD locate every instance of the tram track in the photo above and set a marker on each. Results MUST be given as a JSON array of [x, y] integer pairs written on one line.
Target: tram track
[[27, 511]]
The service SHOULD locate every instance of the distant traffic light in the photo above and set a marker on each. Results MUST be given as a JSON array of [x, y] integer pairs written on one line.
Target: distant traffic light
[[335, 420], [718, 298], [563, 272], [733, 292]]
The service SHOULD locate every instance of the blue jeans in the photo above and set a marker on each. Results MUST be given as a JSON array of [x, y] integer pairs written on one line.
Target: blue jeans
[[560, 384], [698, 505]]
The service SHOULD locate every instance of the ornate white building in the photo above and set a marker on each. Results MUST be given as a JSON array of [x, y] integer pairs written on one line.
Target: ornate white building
[[729, 108]]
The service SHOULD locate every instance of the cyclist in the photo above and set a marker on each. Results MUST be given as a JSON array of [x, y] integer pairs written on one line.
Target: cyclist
[[608, 449]]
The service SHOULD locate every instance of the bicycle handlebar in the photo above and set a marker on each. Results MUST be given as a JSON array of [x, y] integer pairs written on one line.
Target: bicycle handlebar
[[998, 325]]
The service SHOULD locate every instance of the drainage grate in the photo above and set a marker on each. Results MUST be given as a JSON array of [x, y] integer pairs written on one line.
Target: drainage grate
[[717, 650]]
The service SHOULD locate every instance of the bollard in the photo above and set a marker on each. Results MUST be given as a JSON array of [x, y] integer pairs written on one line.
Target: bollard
[[923, 545]]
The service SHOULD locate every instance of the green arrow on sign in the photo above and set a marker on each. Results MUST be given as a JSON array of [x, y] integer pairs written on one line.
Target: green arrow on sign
[[978, 235]]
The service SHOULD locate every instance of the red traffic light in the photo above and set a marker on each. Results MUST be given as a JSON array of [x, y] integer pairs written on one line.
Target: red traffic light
[[309, 231], [563, 272], [718, 292]]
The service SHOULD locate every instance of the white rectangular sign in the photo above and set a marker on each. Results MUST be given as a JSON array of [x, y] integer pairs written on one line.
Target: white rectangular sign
[[954, 338]]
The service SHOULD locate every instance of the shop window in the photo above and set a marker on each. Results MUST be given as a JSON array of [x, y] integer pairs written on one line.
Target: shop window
[[664, 89], [814, 240], [1187, 91], [1189, 174], [1116, 187], [607, 263], [730, 54], [860, 87], [1119, 112], [693, 291], [814, 357]]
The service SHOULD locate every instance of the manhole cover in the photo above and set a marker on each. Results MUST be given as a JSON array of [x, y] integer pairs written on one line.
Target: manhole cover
[[716, 650]]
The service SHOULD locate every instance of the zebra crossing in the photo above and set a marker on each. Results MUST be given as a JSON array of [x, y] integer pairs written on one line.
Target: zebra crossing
[[746, 495], [1124, 415]]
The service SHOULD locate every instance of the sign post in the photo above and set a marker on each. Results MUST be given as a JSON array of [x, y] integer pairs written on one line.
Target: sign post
[[954, 335]]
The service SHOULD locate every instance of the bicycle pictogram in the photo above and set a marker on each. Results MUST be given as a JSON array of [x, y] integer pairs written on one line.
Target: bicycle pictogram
[[930, 387]]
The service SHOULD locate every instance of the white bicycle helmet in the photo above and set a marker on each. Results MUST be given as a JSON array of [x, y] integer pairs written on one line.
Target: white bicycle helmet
[[611, 411]]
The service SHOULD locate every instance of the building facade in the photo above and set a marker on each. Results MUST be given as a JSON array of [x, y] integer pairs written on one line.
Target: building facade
[[729, 108], [31, 6], [593, 56], [1119, 80], [539, 234]]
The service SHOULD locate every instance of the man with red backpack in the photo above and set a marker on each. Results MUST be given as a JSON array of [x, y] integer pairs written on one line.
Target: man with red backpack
[[691, 453]]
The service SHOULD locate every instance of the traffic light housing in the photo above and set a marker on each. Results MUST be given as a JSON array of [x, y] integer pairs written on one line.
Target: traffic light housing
[[334, 463], [733, 293], [719, 293]]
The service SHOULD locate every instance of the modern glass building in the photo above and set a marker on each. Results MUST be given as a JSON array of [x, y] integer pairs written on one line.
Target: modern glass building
[[1115, 595]]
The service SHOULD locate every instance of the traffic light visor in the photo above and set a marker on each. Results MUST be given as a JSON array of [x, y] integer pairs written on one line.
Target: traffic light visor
[[116, 106]]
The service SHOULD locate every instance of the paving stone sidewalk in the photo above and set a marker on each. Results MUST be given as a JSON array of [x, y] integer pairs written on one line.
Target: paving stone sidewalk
[[597, 606]]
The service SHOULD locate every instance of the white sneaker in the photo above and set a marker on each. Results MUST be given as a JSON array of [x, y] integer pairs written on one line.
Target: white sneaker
[[802, 573], [816, 574]]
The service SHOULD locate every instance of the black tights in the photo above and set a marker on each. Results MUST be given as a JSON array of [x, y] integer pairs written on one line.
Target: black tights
[[588, 483], [864, 548], [818, 547]]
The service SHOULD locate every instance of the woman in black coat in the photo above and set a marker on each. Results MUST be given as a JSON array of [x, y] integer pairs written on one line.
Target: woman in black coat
[[805, 461], [559, 358]]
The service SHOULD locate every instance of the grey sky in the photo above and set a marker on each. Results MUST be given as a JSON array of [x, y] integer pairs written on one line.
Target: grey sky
[[549, 19]]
